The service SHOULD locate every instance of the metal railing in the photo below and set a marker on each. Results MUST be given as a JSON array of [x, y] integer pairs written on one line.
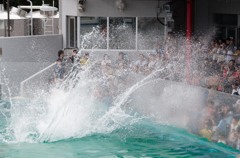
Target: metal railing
[[22, 84], [40, 81]]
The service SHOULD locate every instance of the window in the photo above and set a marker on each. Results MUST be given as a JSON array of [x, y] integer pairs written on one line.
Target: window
[[93, 33], [150, 31], [226, 19], [220, 33], [72, 32], [238, 39], [122, 33]]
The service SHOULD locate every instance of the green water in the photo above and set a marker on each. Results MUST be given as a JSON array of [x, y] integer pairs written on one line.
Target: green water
[[143, 139]]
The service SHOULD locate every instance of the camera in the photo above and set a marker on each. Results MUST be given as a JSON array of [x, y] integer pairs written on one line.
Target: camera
[[81, 7], [166, 8], [81, 2]]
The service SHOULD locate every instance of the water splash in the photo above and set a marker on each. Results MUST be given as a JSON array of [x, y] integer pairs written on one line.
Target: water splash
[[71, 110]]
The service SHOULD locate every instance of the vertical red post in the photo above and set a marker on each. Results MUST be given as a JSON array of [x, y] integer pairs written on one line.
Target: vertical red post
[[188, 37]]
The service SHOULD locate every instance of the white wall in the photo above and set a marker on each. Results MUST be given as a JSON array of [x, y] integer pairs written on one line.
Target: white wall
[[64, 11], [134, 8], [24, 56]]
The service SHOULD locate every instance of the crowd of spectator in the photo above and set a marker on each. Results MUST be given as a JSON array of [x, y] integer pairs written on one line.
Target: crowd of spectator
[[220, 68], [218, 121], [214, 65]]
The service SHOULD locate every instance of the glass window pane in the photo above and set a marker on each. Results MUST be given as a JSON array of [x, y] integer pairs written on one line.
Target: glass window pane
[[238, 37], [150, 32], [122, 33], [71, 32], [231, 32], [220, 33], [93, 33], [226, 19]]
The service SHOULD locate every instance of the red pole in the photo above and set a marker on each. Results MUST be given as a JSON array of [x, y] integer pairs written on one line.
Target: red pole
[[188, 42]]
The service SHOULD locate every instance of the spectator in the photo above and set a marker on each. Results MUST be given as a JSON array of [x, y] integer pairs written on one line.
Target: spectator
[[140, 64], [229, 55], [106, 60], [235, 89], [106, 66], [84, 60], [237, 57], [59, 71], [74, 57], [60, 55], [207, 131], [238, 138], [232, 138], [231, 45], [221, 53], [121, 60], [152, 63]]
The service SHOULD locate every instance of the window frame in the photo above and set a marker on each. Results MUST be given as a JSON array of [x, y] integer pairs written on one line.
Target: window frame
[[136, 49]]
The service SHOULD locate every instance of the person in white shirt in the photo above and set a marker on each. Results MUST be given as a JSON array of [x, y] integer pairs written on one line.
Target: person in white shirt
[[232, 137], [235, 89], [229, 56], [106, 66], [140, 64]]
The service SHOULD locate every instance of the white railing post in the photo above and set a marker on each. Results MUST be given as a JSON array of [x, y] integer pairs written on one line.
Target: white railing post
[[117, 50]]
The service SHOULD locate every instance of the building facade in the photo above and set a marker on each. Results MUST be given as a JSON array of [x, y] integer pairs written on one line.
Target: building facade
[[107, 16], [219, 17]]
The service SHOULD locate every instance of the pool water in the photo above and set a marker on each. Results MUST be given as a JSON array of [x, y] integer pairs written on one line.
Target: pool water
[[143, 138], [141, 122], [138, 141]]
